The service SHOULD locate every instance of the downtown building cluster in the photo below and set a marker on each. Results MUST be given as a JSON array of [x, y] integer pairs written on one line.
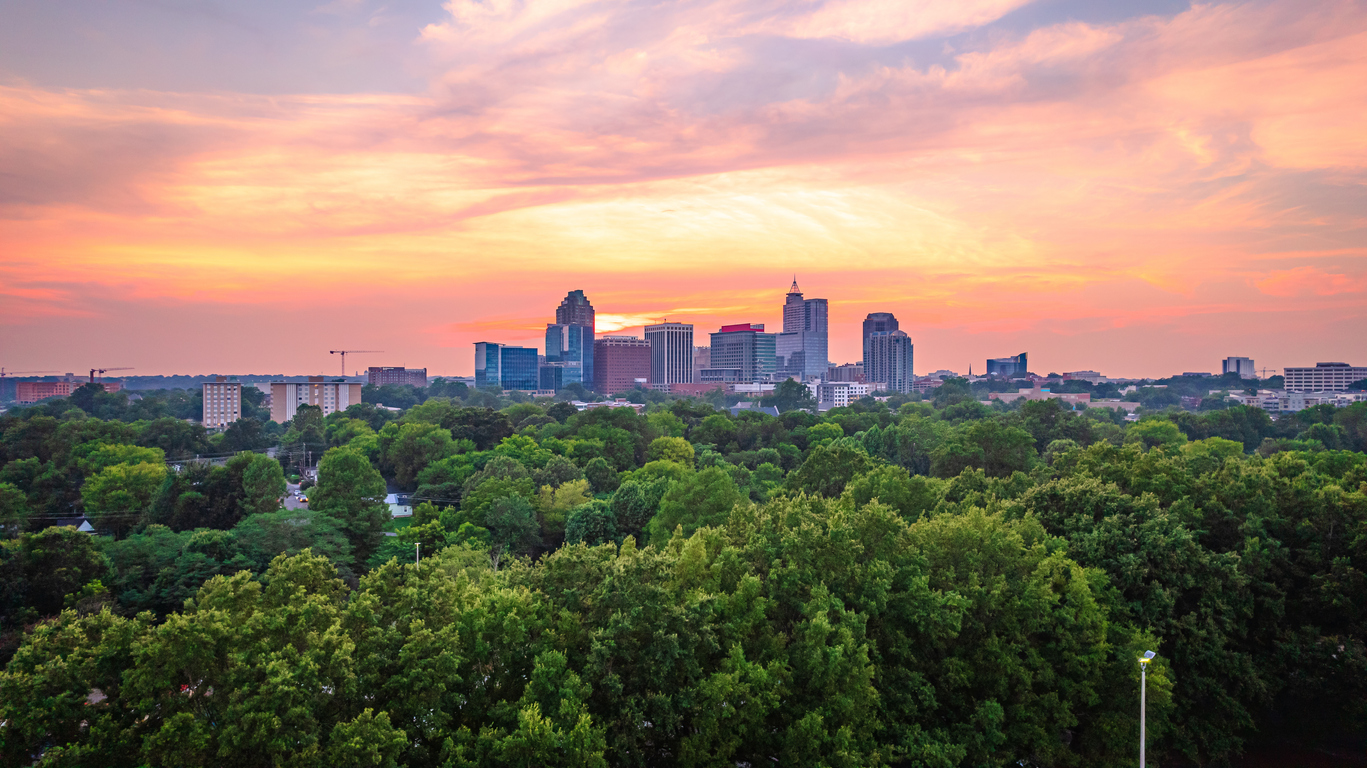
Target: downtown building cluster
[[743, 358]]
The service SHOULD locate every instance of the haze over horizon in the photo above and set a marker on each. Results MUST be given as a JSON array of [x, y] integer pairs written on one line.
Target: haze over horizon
[[1135, 188]]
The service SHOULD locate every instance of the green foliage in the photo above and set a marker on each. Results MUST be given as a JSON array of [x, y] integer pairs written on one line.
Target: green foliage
[[827, 600], [910, 496], [790, 395], [261, 538], [117, 496], [512, 528], [693, 501], [14, 510], [828, 469], [591, 523], [351, 492], [675, 449], [263, 484], [408, 449], [1154, 433]]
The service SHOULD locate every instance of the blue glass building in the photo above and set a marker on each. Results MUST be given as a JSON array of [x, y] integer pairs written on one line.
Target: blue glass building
[[1007, 367], [507, 367], [488, 365], [573, 345], [520, 368]]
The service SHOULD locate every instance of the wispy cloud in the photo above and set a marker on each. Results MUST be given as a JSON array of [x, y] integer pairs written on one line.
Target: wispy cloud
[[980, 178]]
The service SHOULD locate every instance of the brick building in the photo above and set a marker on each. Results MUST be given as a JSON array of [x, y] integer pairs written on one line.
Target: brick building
[[618, 362], [413, 377]]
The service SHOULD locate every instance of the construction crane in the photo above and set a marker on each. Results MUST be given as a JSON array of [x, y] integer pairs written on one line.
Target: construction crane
[[345, 352], [3, 374], [101, 371], [1262, 373]]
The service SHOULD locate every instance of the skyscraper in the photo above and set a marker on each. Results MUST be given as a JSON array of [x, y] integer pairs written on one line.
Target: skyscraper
[[575, 309], [878, 322], [801, 349], [888, 359], [671, 354], [741, 353], [571, 345]]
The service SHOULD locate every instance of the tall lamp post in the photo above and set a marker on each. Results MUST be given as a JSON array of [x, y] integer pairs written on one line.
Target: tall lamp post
[[1143, 689]]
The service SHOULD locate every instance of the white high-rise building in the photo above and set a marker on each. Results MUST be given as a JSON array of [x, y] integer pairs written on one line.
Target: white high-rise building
[[671, 354], [1240, 365]]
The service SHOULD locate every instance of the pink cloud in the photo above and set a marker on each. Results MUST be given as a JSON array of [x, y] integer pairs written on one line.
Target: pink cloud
[[683, 159], [1310, 281]]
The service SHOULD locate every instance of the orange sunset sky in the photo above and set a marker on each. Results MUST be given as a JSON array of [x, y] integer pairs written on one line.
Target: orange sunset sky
[[238, 187]]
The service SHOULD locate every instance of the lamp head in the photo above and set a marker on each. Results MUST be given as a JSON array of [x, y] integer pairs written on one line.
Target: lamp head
[[1148, 656]]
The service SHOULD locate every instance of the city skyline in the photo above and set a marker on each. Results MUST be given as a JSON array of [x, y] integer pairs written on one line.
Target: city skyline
[[847, 340], [1135, 188]]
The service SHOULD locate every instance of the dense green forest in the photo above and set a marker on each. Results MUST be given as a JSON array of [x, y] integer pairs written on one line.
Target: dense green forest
[[935, 583]]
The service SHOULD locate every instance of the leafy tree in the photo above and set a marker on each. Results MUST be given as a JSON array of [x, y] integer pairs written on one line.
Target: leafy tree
[[117, 497], [512, 528], [263, 484], [43, 567], [790, 395], [176, 438], [910, 496], [558, 471], [554, 505], [698, 499], [306, 427], [1153, 433], [108, 455], [823, 434], [675, 449], [483, 426], [352, 492], [601, 476], [951, 392], [524, 450], [827, 470], [245, 434], [561, 411], [262, 537], [408, 449], [592, 523], [14, 510]]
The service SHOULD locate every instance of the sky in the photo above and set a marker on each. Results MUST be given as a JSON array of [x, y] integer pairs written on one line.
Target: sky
[[1135, 188]]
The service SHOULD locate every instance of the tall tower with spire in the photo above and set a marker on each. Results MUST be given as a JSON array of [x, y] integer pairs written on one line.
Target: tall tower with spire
[[794, 310], [802, 346]]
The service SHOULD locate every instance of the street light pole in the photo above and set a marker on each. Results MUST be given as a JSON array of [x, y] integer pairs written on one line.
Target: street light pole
[[1143, 690]]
